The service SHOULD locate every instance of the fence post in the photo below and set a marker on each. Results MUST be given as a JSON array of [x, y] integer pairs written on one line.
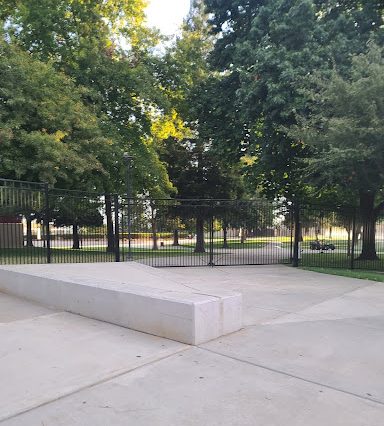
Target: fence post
[[117, 226], [129, 226], [352, 266], [46, 222], [211, 262], [296, 218]]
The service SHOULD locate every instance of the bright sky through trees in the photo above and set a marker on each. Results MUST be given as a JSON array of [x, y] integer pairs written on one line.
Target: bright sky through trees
[[167, 15]]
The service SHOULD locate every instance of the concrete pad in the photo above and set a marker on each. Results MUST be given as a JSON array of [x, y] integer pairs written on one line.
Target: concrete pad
[[270, 292], [312, 358], [144, 299], [47, 357], [343, 354], [14, 309], [363, 302], [197, 388]]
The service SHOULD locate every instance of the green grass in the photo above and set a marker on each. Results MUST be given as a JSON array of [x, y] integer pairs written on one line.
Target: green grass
[[325, 260], [29, 255], [248, 244], [335, 263], [363, 275], [58, 255], [338, 260]]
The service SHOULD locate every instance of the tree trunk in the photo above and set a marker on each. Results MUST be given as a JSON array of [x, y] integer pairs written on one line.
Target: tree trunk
[[348, 229], [75, 236], [110, 234], [200, 244], [368, 216], [225, 235], [176, 238], [357, 232], [29, 232], [243, 235]]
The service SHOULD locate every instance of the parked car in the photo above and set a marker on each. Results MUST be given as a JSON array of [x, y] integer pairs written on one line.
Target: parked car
[[317, 245]]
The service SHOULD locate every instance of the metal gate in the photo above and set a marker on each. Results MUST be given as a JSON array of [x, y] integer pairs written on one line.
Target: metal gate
[[205, 232], [43, 225], [39, 224]]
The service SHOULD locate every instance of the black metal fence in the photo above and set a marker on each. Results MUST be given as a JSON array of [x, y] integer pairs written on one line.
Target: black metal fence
[[38, 225], [42, 225], [205, 232], [340, 237]]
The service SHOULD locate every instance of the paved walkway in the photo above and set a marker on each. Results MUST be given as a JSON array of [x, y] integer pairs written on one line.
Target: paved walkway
[[310, 354]]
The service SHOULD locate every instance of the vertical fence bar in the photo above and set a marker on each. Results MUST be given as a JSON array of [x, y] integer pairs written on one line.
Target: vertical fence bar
[[129, 226], [117, 226], [46, 219], [110, 232], [296, 216], [291, 224], [352, 265], [211, 236]]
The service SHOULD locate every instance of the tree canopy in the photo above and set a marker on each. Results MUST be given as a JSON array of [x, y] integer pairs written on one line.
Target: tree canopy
[[271, 48], [47, 134], [106, 50], [345, 130], [211, 115]]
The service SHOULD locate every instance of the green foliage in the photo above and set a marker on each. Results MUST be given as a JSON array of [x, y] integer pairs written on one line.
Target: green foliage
[[76, 210], [46, 132], [105, 48], [68, 30], [345, 129], [271, 48], [195, 167], [346, 126], [214, 116]]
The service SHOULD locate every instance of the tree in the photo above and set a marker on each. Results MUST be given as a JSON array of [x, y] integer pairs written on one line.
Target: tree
[[254, 50], [194, 167], [76, 211], [18, 201], [69, 31], [345, 129], [47, 134], [106, 48], [198, 174], [269, 48]]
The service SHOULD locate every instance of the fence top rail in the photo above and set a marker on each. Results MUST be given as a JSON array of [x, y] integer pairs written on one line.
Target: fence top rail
[[329, 207], [76, 192], [24, 182], [205, 200]]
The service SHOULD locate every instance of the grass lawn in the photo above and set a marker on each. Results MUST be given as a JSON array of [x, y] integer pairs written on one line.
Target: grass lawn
[[325, 260], [334, 259], [249, 243], [31, 255], [363, 275]]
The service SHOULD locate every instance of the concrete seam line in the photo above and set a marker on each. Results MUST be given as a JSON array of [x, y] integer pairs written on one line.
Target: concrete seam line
[[333, 298], [293, 376], [99, 382], [26, 320], [347, 320]]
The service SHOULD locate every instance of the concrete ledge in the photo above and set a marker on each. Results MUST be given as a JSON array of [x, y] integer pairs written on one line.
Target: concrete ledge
[[187, 317]]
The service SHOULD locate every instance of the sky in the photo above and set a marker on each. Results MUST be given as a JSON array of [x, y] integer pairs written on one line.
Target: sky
[[167, 15]]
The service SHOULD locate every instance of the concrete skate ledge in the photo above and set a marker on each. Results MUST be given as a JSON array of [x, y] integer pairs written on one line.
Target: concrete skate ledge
[[187, 317]]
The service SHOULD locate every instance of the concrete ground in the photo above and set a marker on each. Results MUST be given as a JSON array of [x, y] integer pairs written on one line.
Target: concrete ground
[[310, 354]]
